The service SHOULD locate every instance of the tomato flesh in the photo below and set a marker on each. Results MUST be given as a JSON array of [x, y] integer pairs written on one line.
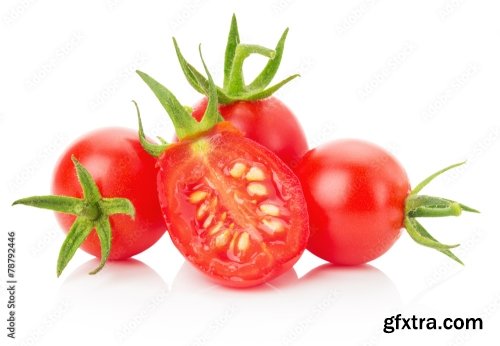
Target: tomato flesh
[[268, 122], [232, 207], [355, 193]]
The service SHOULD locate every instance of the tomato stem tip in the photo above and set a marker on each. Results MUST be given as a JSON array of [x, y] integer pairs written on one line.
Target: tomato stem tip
[[234, 88], [429, 206]]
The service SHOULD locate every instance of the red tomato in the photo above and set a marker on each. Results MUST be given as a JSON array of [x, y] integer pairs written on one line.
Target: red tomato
[[268, 122], [121, 168], [356, 194], [232, 207]]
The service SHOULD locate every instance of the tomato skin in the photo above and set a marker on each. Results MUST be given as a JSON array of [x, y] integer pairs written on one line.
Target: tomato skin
[[268, 122], [120, 168], [355, 192], [203, 162]]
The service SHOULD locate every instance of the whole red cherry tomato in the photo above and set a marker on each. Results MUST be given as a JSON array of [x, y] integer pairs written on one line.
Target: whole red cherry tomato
[[359, 199], [114, 179]]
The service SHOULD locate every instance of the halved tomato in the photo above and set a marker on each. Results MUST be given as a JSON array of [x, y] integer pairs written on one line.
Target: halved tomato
[[232, 207]]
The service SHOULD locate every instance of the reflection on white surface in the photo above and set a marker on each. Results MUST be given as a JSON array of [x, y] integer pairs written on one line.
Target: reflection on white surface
[[189, 280], [286, 311], [129, 304], [363, 297], [112, 304]]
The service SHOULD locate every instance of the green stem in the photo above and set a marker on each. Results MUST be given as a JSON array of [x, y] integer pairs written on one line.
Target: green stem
[[236, 83], [184, 123], [451, 210], [234, 87], [429, 206], [91, 212]]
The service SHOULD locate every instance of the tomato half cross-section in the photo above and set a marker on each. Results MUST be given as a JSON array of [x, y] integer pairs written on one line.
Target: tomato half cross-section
[[232, 207]]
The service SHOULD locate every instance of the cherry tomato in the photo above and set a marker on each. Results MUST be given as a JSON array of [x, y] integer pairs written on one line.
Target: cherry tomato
[[359, 199], [233, 208], [356, 194], [121, 168], [268, 122]]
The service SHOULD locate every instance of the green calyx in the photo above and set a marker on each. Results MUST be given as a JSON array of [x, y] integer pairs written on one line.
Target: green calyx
[[427, 206], [185, 125], [92, 212], [234, 87]]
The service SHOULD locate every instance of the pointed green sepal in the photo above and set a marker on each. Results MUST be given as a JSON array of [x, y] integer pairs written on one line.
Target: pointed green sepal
[[211, 115], [421, 236], [185, 125], [259, 95], [430, 178], [414, 229], [103, 230], [111, 206], [61, 204], [197, 80], [79, 231], [90, 191], [152, 149], [233, 40]]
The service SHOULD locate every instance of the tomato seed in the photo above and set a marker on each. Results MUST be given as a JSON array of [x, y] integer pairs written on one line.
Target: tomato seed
[[255, 174], [256, 189], [222, 238], [233, 241], [216, 228], [275, 225], [238, 170], [202, 210], [270, 209], [244, 241], [208, 220], [197, 196]]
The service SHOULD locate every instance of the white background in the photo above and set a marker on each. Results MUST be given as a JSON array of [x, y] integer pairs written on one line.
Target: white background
[[419, 78]]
